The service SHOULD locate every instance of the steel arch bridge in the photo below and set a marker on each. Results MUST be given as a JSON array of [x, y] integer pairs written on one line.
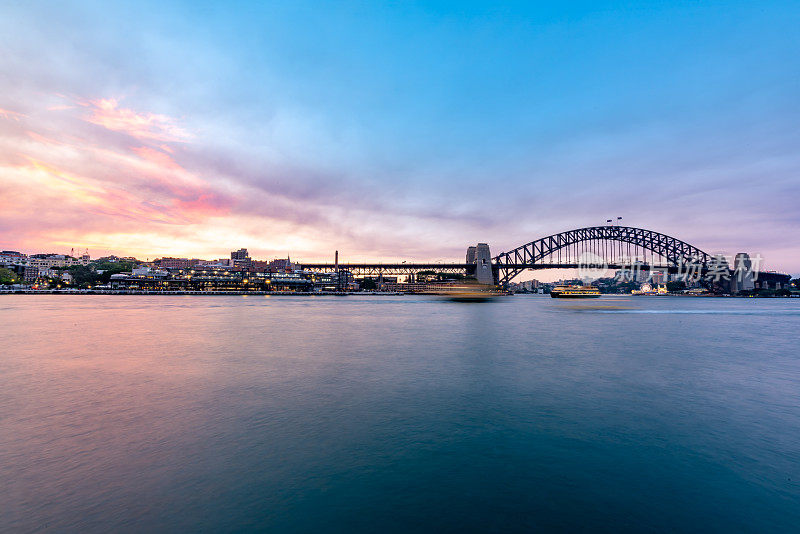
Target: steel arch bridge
[[605, 243]]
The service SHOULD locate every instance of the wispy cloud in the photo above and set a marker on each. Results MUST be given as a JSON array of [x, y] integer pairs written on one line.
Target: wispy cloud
[[11, 115], [107, 112]]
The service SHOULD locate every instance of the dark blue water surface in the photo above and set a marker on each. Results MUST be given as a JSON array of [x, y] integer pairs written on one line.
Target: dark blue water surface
[[390, 414]]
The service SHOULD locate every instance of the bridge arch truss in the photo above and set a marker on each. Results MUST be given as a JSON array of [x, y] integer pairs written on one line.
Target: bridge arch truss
[[607, 243]]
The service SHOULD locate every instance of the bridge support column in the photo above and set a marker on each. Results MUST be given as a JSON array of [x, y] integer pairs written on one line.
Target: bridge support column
[[483, 264]]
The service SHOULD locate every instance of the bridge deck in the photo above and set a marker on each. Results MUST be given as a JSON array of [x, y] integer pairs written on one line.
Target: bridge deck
[[401, 268]]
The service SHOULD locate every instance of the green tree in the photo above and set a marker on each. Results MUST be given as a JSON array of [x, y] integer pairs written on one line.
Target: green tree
[[8, 277], [368, 284], [674, 287], [110, 267], [626, 287], [83, 275]]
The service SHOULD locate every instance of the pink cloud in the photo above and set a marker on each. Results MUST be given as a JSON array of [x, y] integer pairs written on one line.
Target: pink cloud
[[98, 184], [42, 139], [146, 126], [206, 204], [10, 115], [124, 202], [156, 157]]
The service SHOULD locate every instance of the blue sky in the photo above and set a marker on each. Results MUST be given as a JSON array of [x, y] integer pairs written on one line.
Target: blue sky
[[399, 129]]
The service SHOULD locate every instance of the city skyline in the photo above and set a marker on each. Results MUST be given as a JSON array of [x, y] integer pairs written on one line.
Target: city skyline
[[396, 131]]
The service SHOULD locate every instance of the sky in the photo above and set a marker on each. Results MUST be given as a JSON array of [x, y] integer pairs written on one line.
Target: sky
[[403, 130]]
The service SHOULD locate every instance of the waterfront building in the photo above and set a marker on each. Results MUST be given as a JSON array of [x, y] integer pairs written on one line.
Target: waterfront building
[[281, 265], [12, 257], [30, 273], [528, 285], [119, 280], [175, 263], [219, 263], [48, 261], [290, 281], [257, 266], [148, 272], [325, 281], [380, 280]]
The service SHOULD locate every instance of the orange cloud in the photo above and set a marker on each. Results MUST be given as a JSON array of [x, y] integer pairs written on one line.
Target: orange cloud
[[74, 187], [149, 126]]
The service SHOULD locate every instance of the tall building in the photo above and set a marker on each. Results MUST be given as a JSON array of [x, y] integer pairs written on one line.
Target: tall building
[[31, 273], [743, 279], [241, 258], [240, 254], [639, 272]]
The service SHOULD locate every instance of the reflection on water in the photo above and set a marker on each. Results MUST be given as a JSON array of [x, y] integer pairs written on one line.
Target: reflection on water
[[591, 307], [137, 414]]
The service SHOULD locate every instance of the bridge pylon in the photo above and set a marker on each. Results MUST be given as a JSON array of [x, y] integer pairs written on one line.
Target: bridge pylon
[[481, 257]]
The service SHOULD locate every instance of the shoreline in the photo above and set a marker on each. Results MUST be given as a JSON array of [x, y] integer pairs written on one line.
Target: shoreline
[[232, 293], [193, 293]]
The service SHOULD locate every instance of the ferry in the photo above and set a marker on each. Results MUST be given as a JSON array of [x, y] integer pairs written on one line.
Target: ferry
[[468, 291], [574, 292], [471, 295], [649, 290]]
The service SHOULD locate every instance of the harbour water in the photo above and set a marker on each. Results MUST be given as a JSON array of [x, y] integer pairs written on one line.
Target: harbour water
[[341, 414]]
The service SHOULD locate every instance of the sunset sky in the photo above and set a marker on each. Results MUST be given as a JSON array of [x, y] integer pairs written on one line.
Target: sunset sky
[[405, 130]]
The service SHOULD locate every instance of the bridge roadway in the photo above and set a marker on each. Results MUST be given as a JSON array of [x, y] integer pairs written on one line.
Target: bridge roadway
[[367, 269], [372, 269]]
